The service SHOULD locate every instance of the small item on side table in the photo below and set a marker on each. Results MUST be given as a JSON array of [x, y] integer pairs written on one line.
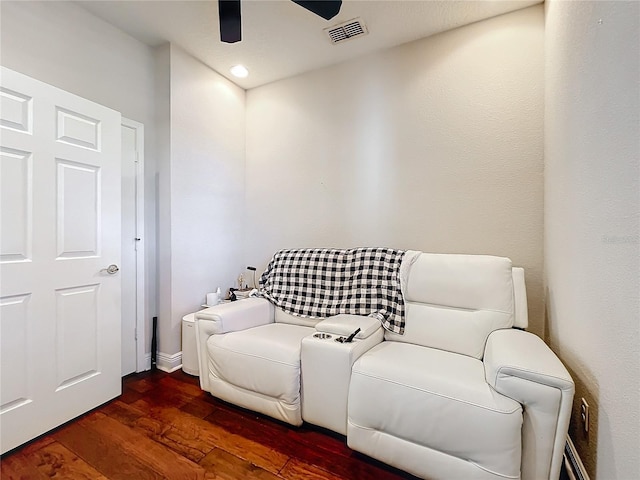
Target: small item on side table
[[213, 298], [253, 269]]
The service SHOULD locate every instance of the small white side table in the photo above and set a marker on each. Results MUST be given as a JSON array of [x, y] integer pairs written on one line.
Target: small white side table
[[190, 362]]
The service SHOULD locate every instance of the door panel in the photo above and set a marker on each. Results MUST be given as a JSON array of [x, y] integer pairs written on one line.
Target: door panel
[[60, 209], [78, 209], [77, 129], [15, 190], [14, 387], [76, 334], [17, 110]]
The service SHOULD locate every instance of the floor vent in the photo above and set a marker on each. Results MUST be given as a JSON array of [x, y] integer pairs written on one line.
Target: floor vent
[[346, 31], [574, 468]]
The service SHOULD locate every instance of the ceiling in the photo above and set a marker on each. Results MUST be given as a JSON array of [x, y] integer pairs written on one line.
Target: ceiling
[[282, 39]]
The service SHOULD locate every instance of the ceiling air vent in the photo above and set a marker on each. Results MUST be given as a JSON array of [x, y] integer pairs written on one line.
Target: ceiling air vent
[[347, 30]]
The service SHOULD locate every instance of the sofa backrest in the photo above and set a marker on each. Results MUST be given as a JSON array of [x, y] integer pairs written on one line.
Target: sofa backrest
[[453, 302]]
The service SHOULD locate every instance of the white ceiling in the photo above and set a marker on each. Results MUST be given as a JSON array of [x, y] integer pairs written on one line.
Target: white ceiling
[[282, 39]]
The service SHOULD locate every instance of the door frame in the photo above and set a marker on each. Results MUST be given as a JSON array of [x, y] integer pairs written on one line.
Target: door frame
[[141, 331]]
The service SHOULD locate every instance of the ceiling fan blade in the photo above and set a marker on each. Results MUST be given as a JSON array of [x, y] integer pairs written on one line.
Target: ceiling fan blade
[[230, 21], [327, 9]]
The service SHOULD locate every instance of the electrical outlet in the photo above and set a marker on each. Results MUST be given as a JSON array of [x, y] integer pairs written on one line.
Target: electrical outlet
[[584, 414]]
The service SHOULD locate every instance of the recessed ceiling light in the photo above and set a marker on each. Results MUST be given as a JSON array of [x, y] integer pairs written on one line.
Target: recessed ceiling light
[[239, 71]]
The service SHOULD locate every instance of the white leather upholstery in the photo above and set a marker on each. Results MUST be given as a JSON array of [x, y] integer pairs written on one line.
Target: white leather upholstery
[[453, 302], [240, 315], [451, 329], [520, 365], [461, 395], [436, 399], [283, 317], [345, 325], [264, 360], [471, 282], [227, 317], [421, 461], [326, 374]]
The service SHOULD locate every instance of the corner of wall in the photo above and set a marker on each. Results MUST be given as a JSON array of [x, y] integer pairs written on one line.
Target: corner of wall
[[162, 77]]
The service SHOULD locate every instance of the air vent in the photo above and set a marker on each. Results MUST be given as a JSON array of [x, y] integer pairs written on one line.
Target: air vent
[[346, 31]]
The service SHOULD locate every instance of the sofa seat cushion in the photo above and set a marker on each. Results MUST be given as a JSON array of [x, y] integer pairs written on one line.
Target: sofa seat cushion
[[263, 359], [439, 400]]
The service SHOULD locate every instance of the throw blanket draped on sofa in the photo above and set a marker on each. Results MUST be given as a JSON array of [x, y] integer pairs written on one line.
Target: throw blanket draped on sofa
[[320, 283]]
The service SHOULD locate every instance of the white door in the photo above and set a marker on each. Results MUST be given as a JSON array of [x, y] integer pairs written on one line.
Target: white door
[[60, 230]]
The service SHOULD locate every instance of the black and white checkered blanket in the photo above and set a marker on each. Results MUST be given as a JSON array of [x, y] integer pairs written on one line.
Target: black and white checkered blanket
[[320, 283]]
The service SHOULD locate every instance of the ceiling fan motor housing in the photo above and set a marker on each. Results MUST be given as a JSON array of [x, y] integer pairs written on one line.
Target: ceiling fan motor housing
[[231, 19]]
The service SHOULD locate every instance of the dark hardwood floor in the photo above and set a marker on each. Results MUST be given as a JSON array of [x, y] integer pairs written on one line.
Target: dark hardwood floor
[[164, 426]]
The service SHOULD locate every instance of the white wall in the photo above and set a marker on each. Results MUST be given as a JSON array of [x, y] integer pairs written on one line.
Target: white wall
[[592, 230], [194, 132], [435, 145], [62, 44], [201, 225]]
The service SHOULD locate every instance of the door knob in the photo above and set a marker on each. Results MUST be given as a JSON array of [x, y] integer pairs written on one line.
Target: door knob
[[111, 269]]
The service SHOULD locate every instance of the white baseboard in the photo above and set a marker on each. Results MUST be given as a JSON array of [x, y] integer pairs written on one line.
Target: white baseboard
[[169, 363], [575, 467]]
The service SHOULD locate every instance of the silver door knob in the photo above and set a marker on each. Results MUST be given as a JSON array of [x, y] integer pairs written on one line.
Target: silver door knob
[[111, 269]]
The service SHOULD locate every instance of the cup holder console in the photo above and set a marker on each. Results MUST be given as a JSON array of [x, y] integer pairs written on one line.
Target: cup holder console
[[322, 336]]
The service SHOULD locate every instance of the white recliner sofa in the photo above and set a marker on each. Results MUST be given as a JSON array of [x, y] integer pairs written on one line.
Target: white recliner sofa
[[464, 393]]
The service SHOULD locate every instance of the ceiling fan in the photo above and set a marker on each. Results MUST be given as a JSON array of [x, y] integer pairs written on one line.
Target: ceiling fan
[[230, 21]]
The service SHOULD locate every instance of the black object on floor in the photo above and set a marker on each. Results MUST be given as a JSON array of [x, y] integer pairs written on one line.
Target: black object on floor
[[154, 342]]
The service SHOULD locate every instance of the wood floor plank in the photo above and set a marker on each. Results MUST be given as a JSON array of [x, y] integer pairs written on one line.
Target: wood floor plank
[[188, 431], [331, 442], [104, 454], [182, 439], [123, 412], [186, 387], [57, 461], [151, 455], [297, 470], [168, 396], [287, 440], [199, 407], [244, 421], [225, 466], [163, 460], [129, 395], [17, 466], [165, 427], [142, 386], [190, 436], [327, 452]]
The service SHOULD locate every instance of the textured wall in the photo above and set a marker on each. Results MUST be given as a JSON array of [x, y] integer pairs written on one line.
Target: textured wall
[[592, 212], [207, 125], [435, 145], [62, 44]]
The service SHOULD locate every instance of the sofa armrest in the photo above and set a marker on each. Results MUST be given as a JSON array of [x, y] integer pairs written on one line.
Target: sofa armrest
[[235, 316], [224, 318], [521, 366], [345, 325]]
